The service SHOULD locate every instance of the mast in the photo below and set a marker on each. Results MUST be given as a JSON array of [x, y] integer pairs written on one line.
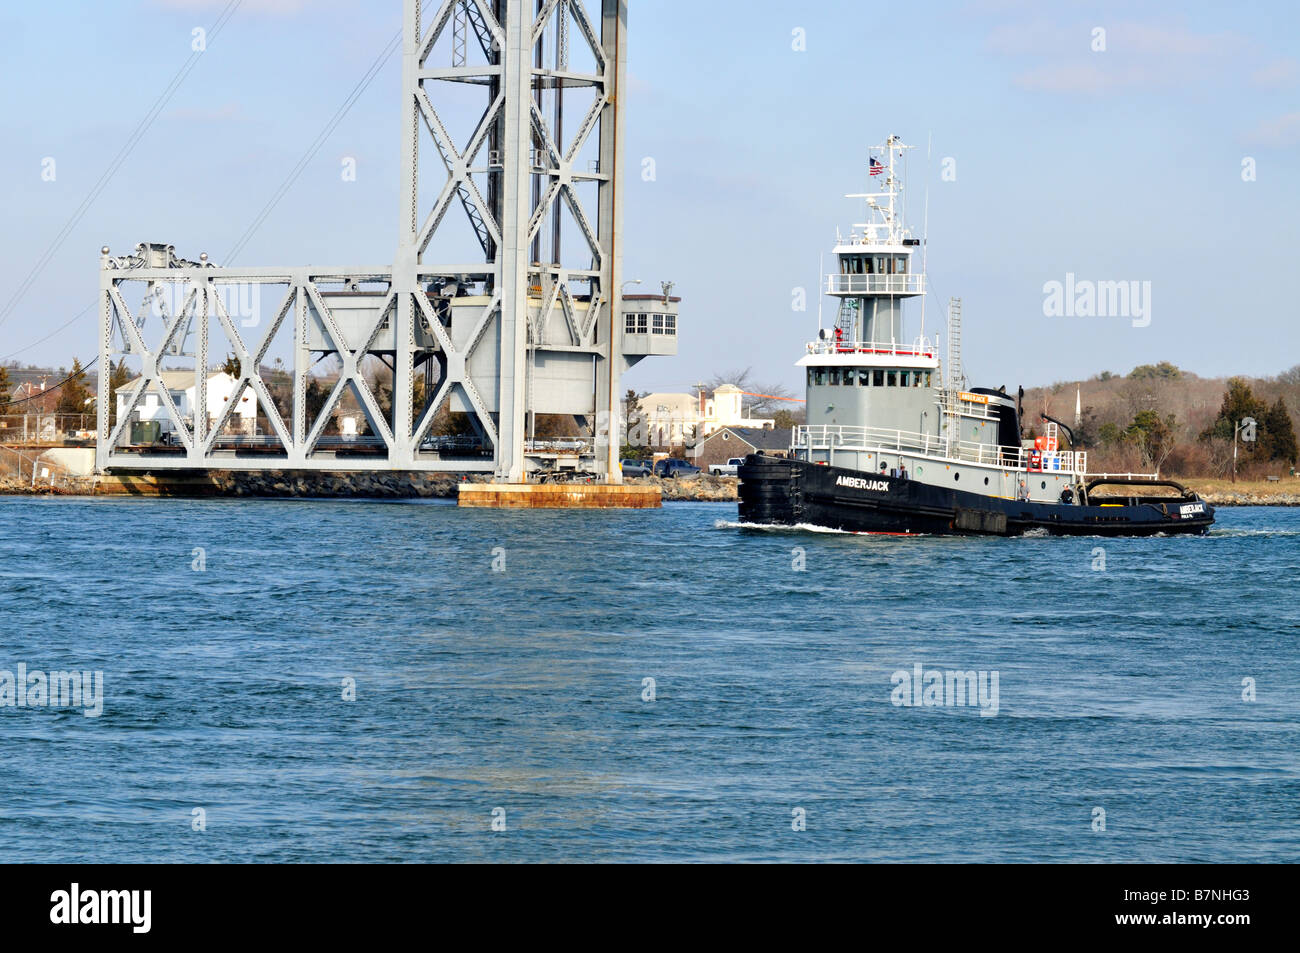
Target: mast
[[876, 270]]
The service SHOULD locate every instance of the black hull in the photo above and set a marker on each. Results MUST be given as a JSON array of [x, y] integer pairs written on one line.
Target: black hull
[[787, 492]]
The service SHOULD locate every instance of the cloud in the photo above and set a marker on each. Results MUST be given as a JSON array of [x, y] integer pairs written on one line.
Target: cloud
[[1279, 73], [1082, 78], [1136, 55], [1282, 131], [277, 7], [1164, 40], [1036, 36], [225, 112]]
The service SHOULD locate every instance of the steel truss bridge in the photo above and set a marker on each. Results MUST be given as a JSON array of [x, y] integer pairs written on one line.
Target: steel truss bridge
[[527, 323]]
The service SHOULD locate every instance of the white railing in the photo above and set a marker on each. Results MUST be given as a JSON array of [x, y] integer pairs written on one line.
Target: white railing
[[968, 406], [915, 349], [1123, 476], [561, 445], [909, 284], [835, 437]]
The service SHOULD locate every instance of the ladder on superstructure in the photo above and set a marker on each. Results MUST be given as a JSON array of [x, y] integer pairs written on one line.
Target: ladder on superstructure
[[953, 378]]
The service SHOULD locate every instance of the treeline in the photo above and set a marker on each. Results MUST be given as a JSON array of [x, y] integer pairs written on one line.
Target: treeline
[[1159, 416]]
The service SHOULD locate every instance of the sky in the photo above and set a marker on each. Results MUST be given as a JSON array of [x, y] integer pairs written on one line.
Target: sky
[[1164, 149]]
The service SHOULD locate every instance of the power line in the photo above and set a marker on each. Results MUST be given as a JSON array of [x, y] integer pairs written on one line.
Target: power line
[[362, 85], [132, 140], [52, 389], [28, 347]]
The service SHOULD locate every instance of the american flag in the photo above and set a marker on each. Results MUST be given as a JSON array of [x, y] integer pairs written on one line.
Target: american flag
[[876, 167]]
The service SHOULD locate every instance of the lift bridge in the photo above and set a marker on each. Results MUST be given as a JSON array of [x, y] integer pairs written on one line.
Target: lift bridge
[[525, 322]]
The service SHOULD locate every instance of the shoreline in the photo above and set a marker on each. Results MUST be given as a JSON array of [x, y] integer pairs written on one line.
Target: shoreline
[[308, 484]]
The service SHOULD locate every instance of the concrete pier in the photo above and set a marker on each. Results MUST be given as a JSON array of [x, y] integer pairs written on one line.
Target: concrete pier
[[559, 495]]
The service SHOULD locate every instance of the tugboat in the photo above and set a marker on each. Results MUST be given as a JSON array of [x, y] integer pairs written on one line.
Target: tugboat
[[895, 442]]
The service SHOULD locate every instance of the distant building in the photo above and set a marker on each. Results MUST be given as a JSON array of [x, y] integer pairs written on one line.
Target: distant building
[[183, 392], [721, 446], [672, 419], [31, 397]]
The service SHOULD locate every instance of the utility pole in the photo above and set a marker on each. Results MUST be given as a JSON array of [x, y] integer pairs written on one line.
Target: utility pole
[[1247, 430]]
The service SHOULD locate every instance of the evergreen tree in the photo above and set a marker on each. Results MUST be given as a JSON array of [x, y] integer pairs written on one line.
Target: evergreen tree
[[73, 396], [784, 420], [116, 380], [4, 390], [1162, 371], [633, 421], [1277, 437], [1239, 402], [1153, 434], [279, 383], [316, 396]]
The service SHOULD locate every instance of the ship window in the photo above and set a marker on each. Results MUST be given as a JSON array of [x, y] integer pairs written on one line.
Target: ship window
[[916, 378], [901, 265], [956, 476], [631, 323], [864, 377], [657, 323], [670, 324], [880, 265], [870, 269], [640, 324], [891, 378], [819, 376], [835, 376], [928, 378], [878, 377], [904, 378]]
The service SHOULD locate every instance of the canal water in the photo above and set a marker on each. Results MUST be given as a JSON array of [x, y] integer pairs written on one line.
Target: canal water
[[405, 681]]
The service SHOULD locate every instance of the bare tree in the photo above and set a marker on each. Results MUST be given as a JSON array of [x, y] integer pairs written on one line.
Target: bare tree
[[761, 399]]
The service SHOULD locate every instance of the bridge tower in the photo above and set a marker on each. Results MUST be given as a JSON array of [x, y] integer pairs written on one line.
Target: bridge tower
[[500, 349]]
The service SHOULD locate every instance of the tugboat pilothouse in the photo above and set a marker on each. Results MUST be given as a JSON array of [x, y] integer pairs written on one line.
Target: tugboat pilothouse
[[895, 441]]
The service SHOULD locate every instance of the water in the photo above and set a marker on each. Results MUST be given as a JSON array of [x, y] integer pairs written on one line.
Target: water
[[1119, 689]]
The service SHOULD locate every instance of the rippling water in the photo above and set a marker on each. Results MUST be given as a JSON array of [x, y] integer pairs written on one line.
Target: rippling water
[[522, 689]]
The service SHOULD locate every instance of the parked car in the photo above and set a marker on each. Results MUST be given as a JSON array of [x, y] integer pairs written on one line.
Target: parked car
[[672, 467], [730, 468], [635, 468]]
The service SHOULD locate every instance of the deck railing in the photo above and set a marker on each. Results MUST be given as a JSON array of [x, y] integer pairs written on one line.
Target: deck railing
[[908, 284], [915, 349], [833, 437]]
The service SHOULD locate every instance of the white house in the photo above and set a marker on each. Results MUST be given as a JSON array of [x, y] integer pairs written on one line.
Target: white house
[[670, 419], [184, 394]]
